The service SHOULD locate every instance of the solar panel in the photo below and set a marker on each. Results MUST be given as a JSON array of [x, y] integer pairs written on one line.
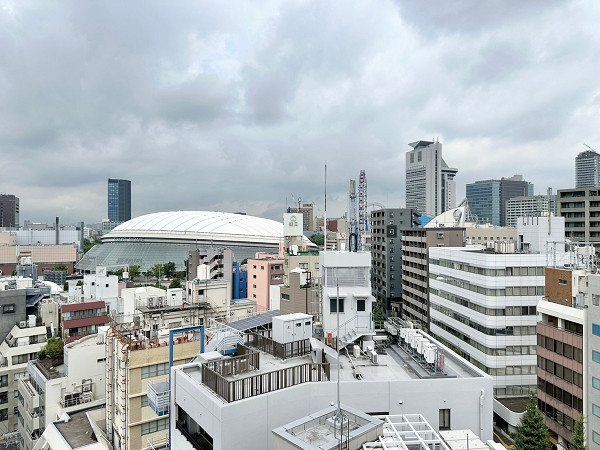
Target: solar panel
[[256, 321]]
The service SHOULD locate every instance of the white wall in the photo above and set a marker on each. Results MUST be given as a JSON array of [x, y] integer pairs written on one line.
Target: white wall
[[231, 424]]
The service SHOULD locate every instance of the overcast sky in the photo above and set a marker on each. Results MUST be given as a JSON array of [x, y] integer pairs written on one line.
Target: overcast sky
[[236, 105]]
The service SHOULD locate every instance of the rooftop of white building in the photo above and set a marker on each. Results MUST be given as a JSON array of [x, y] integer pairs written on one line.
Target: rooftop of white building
[[396, 362]]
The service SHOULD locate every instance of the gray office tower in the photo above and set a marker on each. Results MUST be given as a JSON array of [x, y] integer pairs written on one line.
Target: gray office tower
[[587, 169], [9, 211], [386, 253], [119, 200]]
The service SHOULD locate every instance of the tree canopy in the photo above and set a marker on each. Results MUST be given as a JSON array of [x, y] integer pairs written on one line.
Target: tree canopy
[[318, 239], [578, 442], [532, 433]]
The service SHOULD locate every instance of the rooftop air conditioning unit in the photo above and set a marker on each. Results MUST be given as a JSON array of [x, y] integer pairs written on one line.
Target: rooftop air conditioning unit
[[23, 323]]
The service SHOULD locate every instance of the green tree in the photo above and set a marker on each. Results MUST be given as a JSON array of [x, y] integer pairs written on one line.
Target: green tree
[[87, 244], [378, 315], [578, 442], [134, 272], [244, 261], [532, 433], [60, 267], [55, 347], [157, 270], [176, 283], [318, 239], [169, 269]]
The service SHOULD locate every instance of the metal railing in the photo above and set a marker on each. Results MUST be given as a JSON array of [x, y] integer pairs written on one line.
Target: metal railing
[[279, 350], [251, 386]]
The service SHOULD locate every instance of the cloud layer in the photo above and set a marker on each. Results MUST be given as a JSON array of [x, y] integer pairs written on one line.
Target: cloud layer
[[236, 105]]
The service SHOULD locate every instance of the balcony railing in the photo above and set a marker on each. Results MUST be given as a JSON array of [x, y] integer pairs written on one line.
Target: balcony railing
[[251, 386], [282, 351]]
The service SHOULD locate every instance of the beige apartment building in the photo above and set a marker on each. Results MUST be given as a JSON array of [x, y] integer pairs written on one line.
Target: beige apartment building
[[137, 370]]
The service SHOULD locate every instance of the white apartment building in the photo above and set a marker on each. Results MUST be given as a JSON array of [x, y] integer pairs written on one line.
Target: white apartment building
[[21, 345], [100, 286], [52, 388]]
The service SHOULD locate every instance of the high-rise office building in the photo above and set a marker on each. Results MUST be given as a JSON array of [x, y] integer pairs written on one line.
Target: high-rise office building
[[430, 186], [487, 198], [119, 200], [9, 211], [587, 169], [386, 253]]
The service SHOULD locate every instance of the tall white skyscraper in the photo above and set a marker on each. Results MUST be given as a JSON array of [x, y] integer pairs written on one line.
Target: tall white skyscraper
[[430, 186], [587, 169]]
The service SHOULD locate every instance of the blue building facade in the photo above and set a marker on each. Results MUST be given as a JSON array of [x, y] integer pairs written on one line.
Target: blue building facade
[[484, 201], [119, 200], [240, 281]]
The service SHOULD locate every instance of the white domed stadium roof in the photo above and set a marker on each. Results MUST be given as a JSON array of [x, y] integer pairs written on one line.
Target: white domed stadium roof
[[190, 225]]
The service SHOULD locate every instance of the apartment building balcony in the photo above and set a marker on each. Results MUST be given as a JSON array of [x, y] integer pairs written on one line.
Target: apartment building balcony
[[30, 395], [158, 397], [32, 420]]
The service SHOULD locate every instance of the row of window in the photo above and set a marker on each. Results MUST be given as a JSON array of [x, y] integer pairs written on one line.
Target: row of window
[[563, 396], [556, 415], [560, 348], [85, 314], [335, 302], [508, 291], [506, 272], [155, 370], [560, 371], [498, 372], [517, 330], [505, 311], [155, 425]]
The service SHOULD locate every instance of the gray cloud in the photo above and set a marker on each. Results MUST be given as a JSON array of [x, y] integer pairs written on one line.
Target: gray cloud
[[235, 106]]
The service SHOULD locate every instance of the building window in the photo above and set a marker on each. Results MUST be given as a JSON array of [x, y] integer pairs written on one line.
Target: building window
[[595, 436], [562, 282], [360, 305], [155, 370], [336, 301], [7, 309], [596, 383], [444, 419], [596, 329], [596, 410], [596, 356], [144, 400], [3, 414], [154, 426], [254, 276], [262, 267]]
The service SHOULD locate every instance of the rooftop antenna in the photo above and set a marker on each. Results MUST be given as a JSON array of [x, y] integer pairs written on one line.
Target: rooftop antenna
[[325, 214], [589, 147]]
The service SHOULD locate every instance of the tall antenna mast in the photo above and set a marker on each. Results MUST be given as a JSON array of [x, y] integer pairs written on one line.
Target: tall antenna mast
[[325, 214]]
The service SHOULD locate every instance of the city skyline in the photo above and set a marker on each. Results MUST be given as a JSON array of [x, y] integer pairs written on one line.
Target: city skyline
[[235, 107]]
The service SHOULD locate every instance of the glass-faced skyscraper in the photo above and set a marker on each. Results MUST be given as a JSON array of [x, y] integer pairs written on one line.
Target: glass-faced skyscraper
[[119, 200]]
